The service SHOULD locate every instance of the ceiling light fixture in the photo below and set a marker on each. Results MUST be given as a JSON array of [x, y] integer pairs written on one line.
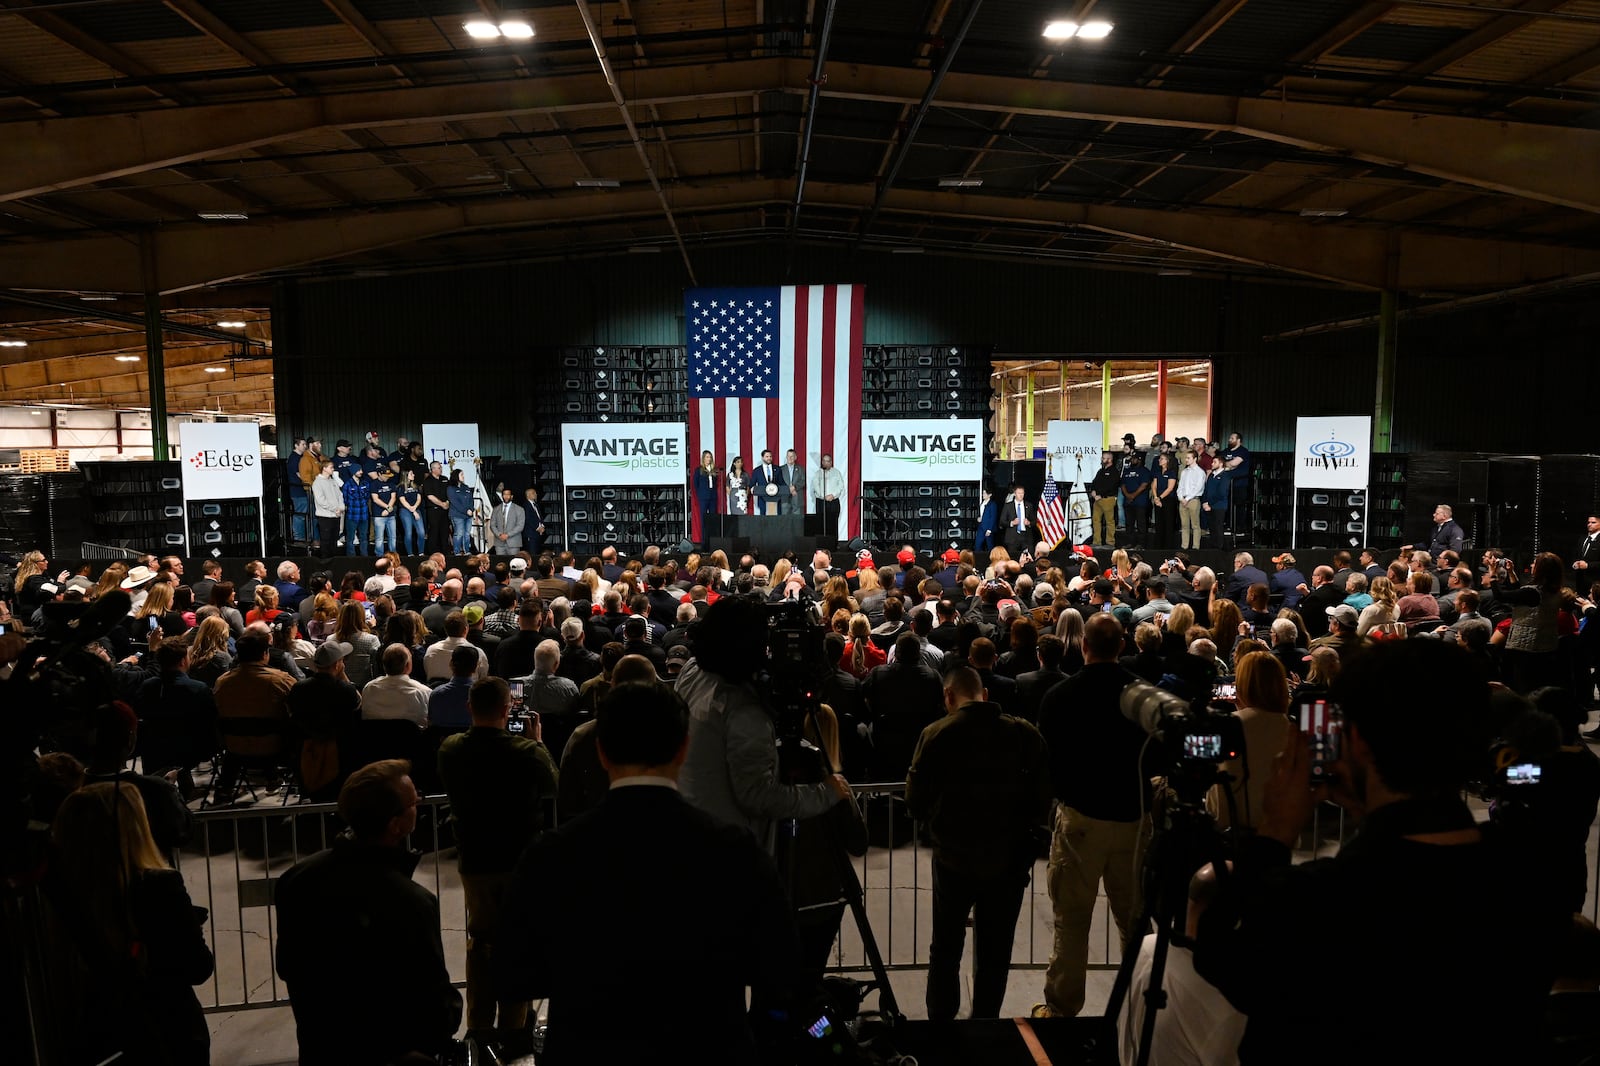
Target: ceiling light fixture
[[224, 216], [97, 299], [644, 249], [216, 370], [907, 251], [1323, 212], [1094, 31], [1061, 31], [13, 344], [230, 325], [598, 183], [515, 30], [1173, 273], [126, 358], [960, 183]]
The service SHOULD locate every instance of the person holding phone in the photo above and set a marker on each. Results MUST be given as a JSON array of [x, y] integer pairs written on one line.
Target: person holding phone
[[497, 784], [1384, 924]]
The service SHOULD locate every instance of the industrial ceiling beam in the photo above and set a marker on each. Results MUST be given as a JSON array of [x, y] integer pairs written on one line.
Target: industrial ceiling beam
[[1557, 164], [1345, 253], [48, 373], [193, 379]]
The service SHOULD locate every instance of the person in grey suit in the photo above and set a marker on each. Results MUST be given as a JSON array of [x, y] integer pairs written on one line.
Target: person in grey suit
[[795, 476], [506, 524]]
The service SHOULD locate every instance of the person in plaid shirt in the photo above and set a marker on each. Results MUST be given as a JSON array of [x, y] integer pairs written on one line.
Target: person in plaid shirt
[[357, 505], [503, 623]]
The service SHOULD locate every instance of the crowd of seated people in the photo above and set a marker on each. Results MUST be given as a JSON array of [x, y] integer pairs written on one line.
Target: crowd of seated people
[[307, 678]]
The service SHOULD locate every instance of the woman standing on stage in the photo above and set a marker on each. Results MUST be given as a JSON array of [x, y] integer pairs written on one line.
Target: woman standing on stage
[[738, 487], [705, 485], [1165, 500]]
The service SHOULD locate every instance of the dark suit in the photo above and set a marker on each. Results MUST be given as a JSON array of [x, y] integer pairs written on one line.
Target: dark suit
[[646, 875], [1314, 608], [1240, 580], [1031, 688], [1017, 541], [1589, 554], [759, 500], [1447, 534]]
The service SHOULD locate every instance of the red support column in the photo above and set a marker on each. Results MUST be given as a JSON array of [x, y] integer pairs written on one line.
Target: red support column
[[1161, 399]]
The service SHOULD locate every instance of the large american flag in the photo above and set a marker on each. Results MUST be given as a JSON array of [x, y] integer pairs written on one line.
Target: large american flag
[[1052, 520], [779, 368]]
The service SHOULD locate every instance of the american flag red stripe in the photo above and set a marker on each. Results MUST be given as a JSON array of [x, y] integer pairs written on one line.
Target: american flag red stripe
[[816, 406], [1052, 519]]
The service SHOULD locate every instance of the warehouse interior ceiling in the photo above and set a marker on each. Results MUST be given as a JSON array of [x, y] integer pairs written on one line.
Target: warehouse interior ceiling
[[1439, 148]]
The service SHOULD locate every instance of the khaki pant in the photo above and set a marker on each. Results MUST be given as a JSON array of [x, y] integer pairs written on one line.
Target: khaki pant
[[1105, 511], [1083, 851], [1189, 515], [484, 895]]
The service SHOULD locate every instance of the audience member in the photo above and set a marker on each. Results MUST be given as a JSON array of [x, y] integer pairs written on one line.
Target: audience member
[[396, 695]]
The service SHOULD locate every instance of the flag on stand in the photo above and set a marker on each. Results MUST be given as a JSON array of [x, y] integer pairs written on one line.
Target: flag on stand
[[1052, 520], [778, 367]]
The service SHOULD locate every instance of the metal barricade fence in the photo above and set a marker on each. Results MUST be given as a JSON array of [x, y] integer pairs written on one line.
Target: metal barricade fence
[[232, 863]]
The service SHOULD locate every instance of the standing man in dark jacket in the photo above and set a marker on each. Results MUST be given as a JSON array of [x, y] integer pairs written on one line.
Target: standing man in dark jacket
[[981, 780], [497, 784], [358, 939], [902, 698], [1095, 765], [1032, 685]]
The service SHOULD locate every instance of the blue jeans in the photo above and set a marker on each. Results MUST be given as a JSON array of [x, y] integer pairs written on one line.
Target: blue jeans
[[300, 522], [382, 535], [355, 537], [461, 534], [411, 533]]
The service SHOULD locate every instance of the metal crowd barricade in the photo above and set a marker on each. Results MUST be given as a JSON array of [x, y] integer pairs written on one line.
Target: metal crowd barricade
[[238, 853], [232, 864]]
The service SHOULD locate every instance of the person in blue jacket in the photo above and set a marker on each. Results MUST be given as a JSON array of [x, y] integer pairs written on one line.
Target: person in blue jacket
[[1214, 502], [987, 521]]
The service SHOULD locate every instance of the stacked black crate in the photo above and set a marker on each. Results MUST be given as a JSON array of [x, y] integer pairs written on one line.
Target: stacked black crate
[[136, 505], [219, 528], [924, 381], [615, 384]]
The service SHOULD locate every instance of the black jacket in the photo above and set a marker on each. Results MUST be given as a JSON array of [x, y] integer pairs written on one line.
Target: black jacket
[[578, 664], [645, 868], [1314, 607], [901, 700], [1031, 688], [1095, 752], [360, 949]]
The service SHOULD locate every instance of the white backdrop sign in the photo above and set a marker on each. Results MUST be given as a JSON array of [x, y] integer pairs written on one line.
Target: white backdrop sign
[[455, 444], [221, 460], [624, 453], [931, 450], [1073, 449], [1333, 453]]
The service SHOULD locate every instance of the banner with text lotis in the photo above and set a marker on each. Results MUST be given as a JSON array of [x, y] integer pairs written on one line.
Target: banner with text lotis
[[454, 444], [1333, 453], [922, 449], [221, 460], [624, 453]]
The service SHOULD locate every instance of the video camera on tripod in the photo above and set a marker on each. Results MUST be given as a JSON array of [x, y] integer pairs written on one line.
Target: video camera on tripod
[[1195, 737]]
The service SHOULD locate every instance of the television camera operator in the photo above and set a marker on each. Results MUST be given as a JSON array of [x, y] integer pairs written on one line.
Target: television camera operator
[[731, 769], [1416, 916]]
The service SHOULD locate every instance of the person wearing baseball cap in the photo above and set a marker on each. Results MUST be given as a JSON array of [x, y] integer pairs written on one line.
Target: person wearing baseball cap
[[1286, 580], [325, 708], [906, 556], [1341, 636]]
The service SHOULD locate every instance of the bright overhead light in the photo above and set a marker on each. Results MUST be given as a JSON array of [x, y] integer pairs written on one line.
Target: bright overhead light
[[13, 344], [230, 325], [97, 299], [1060, 31], [126, 358], [598, 183], [960, 183], [224, 216], [516, 31], [1323, 212], [481, 31], [216, 370], [1094, 31]]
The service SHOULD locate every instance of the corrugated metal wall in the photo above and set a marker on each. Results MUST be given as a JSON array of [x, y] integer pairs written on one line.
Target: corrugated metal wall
[[391, 353]]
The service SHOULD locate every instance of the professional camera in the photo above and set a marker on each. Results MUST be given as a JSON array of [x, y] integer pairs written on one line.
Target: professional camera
[[1195, 737], [796, 666]]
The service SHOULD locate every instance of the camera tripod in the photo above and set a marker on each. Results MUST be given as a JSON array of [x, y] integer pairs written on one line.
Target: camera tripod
[[1185, 840]]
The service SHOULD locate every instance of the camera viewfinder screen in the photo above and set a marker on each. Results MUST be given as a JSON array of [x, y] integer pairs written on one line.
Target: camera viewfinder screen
[[1202, 746]]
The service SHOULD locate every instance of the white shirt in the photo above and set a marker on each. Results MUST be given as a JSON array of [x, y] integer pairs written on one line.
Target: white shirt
[[1197, 1027], [1191, 483], [1022, 515], [829, 482], [436, 661], [396, 696]]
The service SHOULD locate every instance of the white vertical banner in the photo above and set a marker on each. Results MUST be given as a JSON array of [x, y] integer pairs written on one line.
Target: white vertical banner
[[1332, 453], [1072, 448], [221, 461], [455, 445]]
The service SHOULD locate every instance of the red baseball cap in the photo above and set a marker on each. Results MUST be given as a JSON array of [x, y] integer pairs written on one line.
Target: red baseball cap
[[951, 555], [906, 556]]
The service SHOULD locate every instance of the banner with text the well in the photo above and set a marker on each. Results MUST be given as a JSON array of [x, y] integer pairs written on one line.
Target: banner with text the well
[[455, 445], [624, 453], [922, 449], [1333, 453]]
